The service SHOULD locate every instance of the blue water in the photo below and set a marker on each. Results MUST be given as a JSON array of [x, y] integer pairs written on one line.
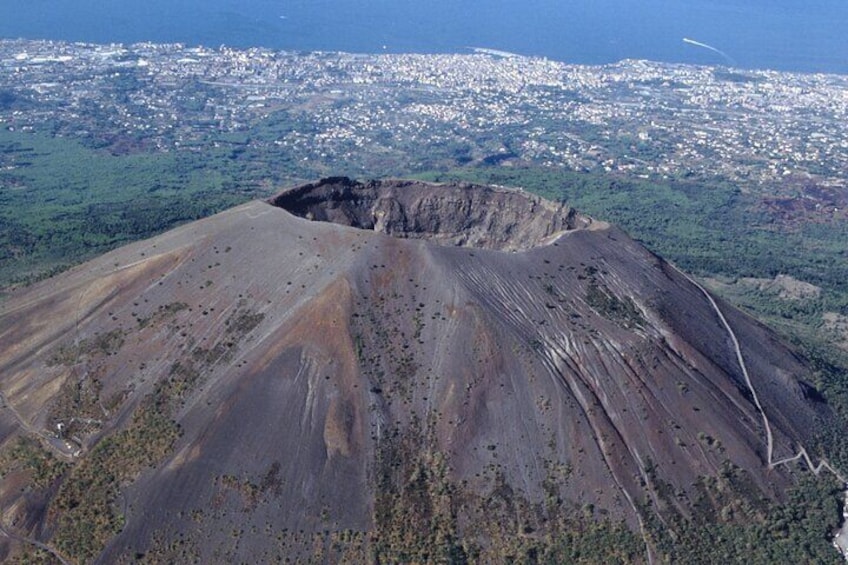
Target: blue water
[[780, 34]]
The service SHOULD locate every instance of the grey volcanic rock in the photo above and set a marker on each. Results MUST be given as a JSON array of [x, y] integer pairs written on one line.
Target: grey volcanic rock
[[461, 215], [417, 368]]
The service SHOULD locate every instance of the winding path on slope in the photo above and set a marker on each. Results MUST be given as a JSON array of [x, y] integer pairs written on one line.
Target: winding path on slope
[[840, 544], [802, 453]]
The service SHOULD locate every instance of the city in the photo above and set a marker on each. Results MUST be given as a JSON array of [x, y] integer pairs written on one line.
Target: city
[[390, 114]]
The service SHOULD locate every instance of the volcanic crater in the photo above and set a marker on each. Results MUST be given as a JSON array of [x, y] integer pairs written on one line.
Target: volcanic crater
[[384, 371], [464, 215]]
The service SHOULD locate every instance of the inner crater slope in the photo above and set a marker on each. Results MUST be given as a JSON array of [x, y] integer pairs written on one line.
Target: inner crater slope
[[455, 214]]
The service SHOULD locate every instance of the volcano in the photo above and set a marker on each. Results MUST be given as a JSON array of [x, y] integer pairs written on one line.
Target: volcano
[[385, 371]]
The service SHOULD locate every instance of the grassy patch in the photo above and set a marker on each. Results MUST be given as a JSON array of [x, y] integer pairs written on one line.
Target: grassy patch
[[604, 302], [107, 343], [29, 455]]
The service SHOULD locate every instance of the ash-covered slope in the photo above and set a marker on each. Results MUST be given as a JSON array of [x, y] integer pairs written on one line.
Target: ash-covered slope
[[424, 373]]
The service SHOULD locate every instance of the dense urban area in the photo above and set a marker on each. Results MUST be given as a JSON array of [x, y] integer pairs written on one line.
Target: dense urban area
[[393, 113]]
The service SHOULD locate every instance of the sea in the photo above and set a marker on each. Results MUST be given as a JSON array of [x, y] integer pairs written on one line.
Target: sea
[[786, 35]]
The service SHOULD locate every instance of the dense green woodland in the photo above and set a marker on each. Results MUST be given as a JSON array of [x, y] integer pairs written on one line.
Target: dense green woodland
[[62, 201]]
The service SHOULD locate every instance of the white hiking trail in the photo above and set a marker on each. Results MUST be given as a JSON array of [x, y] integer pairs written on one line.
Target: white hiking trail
[[802, 454]]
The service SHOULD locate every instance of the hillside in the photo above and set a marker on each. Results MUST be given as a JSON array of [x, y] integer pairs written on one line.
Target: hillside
[[396, 371]]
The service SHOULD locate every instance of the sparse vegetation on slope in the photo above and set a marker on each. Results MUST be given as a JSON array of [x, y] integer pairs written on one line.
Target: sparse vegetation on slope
[[28, 455], [420, 403], [422, 516], [733, 524], [87, 505]]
